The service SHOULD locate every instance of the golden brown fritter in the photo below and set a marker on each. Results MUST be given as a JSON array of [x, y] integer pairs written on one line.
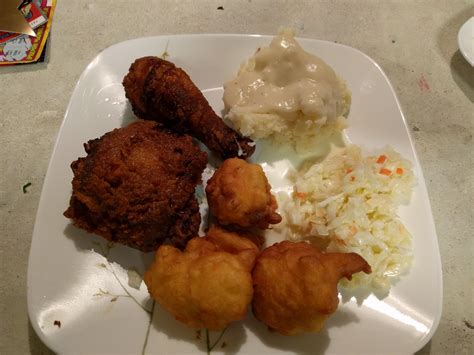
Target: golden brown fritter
[[243, 244], [239, 194], [209, 285], [160, 91], [136, 187], [295, 285], [255, 235]]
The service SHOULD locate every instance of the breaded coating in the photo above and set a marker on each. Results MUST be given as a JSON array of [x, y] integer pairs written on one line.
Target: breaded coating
[[254, 235], [243, 244], [136, 187], [239, 194], [295, 285], [209, 285], [160, 91]]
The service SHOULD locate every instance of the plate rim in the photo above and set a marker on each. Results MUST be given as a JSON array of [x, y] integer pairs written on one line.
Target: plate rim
[[464, 31], [418, 345]]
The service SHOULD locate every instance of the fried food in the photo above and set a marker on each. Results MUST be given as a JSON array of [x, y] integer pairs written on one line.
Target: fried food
[[239, 194], [160, 91], [136, 187], [243, 244], [295, 285], [209, 285]]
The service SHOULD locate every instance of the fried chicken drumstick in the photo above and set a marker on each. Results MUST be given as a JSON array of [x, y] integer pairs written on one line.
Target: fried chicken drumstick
[[295, 285], [209, 285], [136, 187], [160, 91]]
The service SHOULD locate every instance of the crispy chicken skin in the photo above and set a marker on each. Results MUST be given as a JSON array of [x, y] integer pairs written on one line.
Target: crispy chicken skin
[[295, 285], [136, 187], [239, 194], [160, 91], [209, 284]]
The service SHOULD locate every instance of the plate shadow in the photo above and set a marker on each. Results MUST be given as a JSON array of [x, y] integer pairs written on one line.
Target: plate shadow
[[37, 347], [463, 74], [128, 258], [230, 342], [299, 344]]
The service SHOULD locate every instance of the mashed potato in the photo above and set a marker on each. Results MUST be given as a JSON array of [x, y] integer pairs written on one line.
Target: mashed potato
[[348, 203], [287, 94]]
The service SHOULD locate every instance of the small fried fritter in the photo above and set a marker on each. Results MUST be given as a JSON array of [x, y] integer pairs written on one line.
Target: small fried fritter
[[295, 285], [160, 91], [239, 194], [243, 244], [136, 187], [209, 285]]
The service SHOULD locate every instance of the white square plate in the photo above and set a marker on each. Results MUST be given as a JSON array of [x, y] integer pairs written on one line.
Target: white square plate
[[71, 282]]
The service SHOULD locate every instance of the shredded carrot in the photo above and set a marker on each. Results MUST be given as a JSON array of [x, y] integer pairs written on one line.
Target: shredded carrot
[[381, 159], [340, 242], [300, 195], [399, 171], [349, 170], [353, 229], [385, 172]]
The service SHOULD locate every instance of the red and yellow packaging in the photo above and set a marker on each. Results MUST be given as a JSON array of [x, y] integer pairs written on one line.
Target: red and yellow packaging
[[22, 49]]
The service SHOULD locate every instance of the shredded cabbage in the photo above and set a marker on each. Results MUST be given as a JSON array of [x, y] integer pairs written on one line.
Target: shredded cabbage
[[349, 202]]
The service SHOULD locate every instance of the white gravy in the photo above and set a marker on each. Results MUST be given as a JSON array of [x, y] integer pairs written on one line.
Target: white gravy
[[284, 79]]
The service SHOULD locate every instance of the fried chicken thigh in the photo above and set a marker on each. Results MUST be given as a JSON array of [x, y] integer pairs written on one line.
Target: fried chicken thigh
[[209, 285], [160, 91], [239, 194], [295, 285], [136, 187]]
